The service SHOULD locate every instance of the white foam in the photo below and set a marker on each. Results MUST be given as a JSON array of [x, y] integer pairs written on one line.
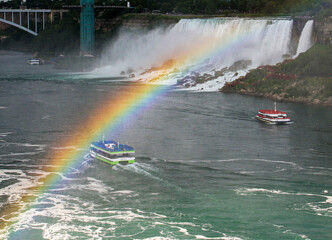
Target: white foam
[[140, 168], [64, 148], [38, 146], [252, 191], [187, 233], [24, 183], [92, 184], [319, 207], [5, 134], [239, 160], [216, 84], [19, 154], [46, 117], [159, 238], [65, 212]]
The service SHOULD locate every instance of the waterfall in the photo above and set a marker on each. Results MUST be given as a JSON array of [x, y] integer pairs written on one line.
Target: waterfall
[[305, 38], [195, 47]]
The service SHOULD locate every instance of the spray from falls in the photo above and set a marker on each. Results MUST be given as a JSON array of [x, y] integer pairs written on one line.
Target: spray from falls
[[196, 51], [305, 39]]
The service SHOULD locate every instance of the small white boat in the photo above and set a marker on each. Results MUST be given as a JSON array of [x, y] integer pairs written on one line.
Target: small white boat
[[34, 61], [273, 116]]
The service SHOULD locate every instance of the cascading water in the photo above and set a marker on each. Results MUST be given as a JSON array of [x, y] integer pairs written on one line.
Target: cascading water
[[305, 39], [196, 51]]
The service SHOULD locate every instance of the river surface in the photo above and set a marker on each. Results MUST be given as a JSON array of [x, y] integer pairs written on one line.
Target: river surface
[[205, 168]]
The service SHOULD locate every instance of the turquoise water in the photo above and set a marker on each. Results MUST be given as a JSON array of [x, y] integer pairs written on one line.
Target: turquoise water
[[206, 169]]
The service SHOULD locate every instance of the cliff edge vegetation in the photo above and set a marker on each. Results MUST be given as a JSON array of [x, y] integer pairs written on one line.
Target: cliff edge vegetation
[[306, 79]]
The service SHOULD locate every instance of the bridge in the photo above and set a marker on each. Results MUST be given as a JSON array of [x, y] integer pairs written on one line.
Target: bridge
[[88, 23], [20, 18]]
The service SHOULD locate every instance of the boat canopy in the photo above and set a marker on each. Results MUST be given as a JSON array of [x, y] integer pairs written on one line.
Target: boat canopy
[[117, 146], [271, 112]]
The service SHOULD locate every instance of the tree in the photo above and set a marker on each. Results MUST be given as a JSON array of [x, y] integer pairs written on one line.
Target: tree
[[238, 5], [224, 5], [255, 6], [211, 7], [183, 7], [270, 8], [166, 7], [139, 9], [198, 6]]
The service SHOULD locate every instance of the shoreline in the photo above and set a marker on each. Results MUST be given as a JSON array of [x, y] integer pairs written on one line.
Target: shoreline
[[301, 100], [306, 79]]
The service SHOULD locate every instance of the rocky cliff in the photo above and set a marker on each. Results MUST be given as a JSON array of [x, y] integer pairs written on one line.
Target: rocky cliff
[[306, 79], [322, 27], [323, 30], [133, 22]]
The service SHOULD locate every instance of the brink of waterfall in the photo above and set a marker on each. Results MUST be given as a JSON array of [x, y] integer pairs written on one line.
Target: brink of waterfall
[[200, 54]]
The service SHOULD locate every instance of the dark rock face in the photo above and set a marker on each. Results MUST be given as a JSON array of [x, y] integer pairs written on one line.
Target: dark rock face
[[131, 23], [298, 25], [323, 30], [239, 65]]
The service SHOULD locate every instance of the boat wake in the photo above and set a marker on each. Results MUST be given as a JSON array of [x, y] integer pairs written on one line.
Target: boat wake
[[320, 208], [144, 169]]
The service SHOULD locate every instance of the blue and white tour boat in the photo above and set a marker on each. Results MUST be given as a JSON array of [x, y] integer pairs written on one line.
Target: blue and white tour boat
[[112, 152]]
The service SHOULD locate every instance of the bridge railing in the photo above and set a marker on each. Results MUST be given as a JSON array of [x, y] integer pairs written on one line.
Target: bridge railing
[[21, 17]]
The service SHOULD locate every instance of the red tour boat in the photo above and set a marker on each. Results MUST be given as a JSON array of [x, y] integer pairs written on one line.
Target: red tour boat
[[273, 116]]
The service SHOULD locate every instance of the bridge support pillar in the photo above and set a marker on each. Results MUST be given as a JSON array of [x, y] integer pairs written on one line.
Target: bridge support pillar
[[87, 40]]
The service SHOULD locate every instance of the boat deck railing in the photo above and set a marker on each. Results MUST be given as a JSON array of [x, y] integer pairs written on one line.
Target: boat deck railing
[[117, 148]]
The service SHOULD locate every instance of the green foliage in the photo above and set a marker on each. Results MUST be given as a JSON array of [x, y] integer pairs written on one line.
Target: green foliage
[[297, 92], [256, 74], [59, 38], [315, 62], [313, 79], [17, 39], [318, 8], [265, 7], [211, 6], [11, 4]]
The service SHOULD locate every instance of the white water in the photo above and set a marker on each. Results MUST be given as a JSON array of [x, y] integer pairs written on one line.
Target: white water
[[305, 39], [199, 46]]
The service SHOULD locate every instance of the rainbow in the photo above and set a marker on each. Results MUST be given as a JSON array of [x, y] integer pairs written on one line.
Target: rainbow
[[107, 117], [110, 114]]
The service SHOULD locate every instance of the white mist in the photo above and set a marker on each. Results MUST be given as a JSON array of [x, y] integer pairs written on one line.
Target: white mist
[[204, 45]]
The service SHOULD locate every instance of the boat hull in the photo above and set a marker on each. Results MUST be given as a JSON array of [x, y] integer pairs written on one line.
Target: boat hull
[[274, 121], [34, 62], [112, 157], [112, 161]]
